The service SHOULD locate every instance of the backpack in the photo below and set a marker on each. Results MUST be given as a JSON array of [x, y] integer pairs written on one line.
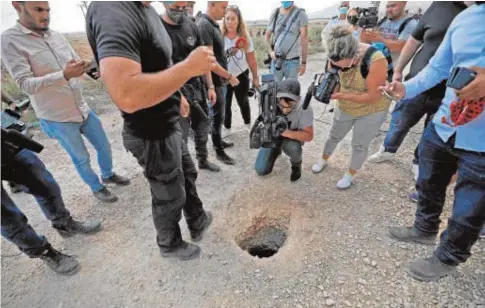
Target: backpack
[[366, 62]]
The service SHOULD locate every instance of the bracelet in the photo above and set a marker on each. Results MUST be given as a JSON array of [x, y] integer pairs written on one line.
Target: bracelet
[[230, 76], [211, 87], [303, 62]]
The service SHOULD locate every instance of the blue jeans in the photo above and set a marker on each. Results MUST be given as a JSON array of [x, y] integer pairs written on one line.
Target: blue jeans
[[406, 114], [28, 171], [438, 162], [69, 136], [267, 156], [290, 69]]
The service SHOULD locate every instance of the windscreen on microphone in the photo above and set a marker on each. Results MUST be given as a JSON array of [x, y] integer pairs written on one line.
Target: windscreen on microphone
[[240, 43]]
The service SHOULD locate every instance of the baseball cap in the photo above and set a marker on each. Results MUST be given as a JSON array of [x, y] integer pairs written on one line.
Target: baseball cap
[[289, 88]]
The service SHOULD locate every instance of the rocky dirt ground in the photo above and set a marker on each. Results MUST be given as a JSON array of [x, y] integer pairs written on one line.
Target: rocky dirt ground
[[337, 253]]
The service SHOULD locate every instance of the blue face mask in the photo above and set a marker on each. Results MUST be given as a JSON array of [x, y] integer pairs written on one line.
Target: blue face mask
[[286, 4], [344, 10]]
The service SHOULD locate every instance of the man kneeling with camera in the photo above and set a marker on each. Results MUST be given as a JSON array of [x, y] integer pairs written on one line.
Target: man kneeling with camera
[[291, 127]]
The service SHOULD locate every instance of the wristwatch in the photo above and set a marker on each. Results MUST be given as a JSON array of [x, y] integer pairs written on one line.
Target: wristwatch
[[303, 62]]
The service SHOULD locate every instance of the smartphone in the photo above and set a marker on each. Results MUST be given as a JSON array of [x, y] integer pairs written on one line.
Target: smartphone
[[92, 71], [460, 77]]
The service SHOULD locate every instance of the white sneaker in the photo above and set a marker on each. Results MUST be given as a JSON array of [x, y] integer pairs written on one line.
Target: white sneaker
[[319, 166], [346, 181], [381, 156], [415, 170]]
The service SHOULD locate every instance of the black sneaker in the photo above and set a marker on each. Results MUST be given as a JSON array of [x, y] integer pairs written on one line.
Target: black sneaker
[[59, 262], [429, 269], [184, 252], [117, 179], [295, 174], [73, 227], [198, 234], [14, 188], [105, 195], [227, 144], [409, 234], [207, 165], [223, 157]]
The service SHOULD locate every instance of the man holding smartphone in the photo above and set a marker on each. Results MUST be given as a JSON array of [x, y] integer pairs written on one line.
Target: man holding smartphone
[[44, 65], [420, 47], [452, 143]]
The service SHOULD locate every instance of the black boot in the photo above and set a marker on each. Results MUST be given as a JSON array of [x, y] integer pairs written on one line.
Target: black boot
[[59, 262], [197, 234], [295, 173], [183, 252], [205, 164], [72, 227], [227, 144], [223, 157], [14, 188]]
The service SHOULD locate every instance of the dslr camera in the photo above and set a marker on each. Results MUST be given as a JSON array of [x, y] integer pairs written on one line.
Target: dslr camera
[[278, 63], [368, 17], [322, 87], [271, 122]]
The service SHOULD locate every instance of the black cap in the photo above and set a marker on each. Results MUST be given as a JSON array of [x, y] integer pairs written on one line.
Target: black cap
[[289, 88]]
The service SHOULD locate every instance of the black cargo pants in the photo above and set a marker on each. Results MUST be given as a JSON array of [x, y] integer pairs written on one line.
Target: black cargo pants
[[198, 120], [172, 174]]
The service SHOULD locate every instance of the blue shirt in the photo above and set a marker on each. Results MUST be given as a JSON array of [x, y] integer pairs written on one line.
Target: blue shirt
[[463, 45]]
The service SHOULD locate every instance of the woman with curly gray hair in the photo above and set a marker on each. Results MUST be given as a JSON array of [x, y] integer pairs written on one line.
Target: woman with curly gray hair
[[362, 69]]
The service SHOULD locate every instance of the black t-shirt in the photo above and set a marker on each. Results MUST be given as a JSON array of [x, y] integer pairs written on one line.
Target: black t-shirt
[[185, 38], [134, 31], [211, 36], [431, 30]]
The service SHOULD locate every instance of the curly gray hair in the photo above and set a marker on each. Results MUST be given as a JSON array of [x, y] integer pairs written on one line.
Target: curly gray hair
[[341, 44]]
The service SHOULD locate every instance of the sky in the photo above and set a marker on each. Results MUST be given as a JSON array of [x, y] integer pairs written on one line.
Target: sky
[[66, 15]]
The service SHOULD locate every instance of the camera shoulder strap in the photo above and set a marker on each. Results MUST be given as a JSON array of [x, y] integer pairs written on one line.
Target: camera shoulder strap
[[284, 25], [295, 14], [404, 24]]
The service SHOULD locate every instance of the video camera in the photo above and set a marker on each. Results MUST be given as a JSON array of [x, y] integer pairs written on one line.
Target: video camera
[[322, 87], [368, 17], [269, 125], [13, 133]]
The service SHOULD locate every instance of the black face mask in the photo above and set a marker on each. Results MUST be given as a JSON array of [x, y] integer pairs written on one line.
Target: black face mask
[[353, 20], [176, 15]]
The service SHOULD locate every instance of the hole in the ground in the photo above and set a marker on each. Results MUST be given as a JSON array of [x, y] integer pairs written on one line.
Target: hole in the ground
[[264, 243]]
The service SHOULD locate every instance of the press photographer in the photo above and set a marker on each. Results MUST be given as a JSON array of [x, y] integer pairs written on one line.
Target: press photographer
[[283, 126], [21, 166], [361, 69], [287, 38]]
